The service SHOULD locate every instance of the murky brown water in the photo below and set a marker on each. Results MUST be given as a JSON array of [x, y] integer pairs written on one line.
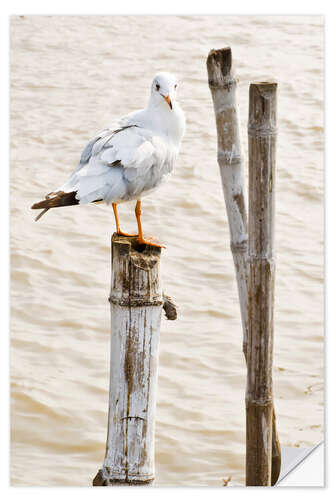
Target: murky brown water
[[73, 76]]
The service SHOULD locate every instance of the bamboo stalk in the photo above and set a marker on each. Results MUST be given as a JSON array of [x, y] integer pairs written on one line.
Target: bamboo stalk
[[223, 86], [259, 399], [136, 304]]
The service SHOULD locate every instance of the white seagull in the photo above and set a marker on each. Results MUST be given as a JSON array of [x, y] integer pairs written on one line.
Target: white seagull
[[128, 162]]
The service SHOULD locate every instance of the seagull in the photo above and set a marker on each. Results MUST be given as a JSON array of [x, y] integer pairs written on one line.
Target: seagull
[[128, 162]]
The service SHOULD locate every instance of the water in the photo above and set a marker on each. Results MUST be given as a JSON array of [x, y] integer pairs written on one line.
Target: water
[[70, 78]]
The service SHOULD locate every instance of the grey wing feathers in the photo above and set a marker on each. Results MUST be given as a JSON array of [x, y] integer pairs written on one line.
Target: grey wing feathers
[[86, 153], [114, 159], [99, 142]]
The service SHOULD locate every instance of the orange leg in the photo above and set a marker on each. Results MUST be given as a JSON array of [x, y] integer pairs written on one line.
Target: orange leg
[[115, 211], [141, 239]]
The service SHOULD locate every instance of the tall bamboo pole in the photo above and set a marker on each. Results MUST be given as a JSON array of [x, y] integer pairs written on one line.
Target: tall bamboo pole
[[259, 399], [223, 86], [136, 303]]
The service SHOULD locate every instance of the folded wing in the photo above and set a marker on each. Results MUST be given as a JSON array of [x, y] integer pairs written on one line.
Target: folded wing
[[118, 165]]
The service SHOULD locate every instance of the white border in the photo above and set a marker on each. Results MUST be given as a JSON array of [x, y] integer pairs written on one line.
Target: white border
[[75, 7]]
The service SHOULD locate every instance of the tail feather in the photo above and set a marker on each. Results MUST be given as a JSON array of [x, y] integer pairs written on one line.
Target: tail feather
[[59, 199], [41, 214]]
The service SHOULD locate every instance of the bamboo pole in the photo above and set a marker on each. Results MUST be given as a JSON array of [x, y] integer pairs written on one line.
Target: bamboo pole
[[259, 399], [223, 87], [136, 303]]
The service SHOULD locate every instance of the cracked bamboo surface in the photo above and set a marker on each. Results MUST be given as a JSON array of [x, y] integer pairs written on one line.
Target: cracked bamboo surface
[[136, 304], [223, 87], [259, 397]]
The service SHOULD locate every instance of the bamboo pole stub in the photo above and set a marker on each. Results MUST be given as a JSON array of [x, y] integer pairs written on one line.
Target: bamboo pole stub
[[136, 304]]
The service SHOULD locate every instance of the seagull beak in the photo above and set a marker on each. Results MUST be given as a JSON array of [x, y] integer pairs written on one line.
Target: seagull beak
[[168, 100]]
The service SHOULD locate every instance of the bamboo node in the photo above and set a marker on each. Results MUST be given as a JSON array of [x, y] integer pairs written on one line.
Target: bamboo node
[[240, 246], [228, 158], [262, 258], [263, 131], [258, 402], [226, 84], [133, 302]]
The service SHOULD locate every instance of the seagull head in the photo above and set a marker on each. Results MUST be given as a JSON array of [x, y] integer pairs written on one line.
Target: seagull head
[[163, 90]]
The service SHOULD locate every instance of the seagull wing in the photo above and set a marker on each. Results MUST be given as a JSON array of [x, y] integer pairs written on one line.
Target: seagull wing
[[119, 164]]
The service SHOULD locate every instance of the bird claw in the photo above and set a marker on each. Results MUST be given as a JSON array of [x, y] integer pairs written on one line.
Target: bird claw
[[151, 241], [121, 233]]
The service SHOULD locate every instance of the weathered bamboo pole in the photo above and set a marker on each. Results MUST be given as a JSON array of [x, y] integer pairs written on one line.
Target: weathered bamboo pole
[[259, 399], [223, 86], [136, 303]]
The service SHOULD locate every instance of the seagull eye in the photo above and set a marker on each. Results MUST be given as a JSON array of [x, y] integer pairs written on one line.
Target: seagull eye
[[158, 86], [175, 86]]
